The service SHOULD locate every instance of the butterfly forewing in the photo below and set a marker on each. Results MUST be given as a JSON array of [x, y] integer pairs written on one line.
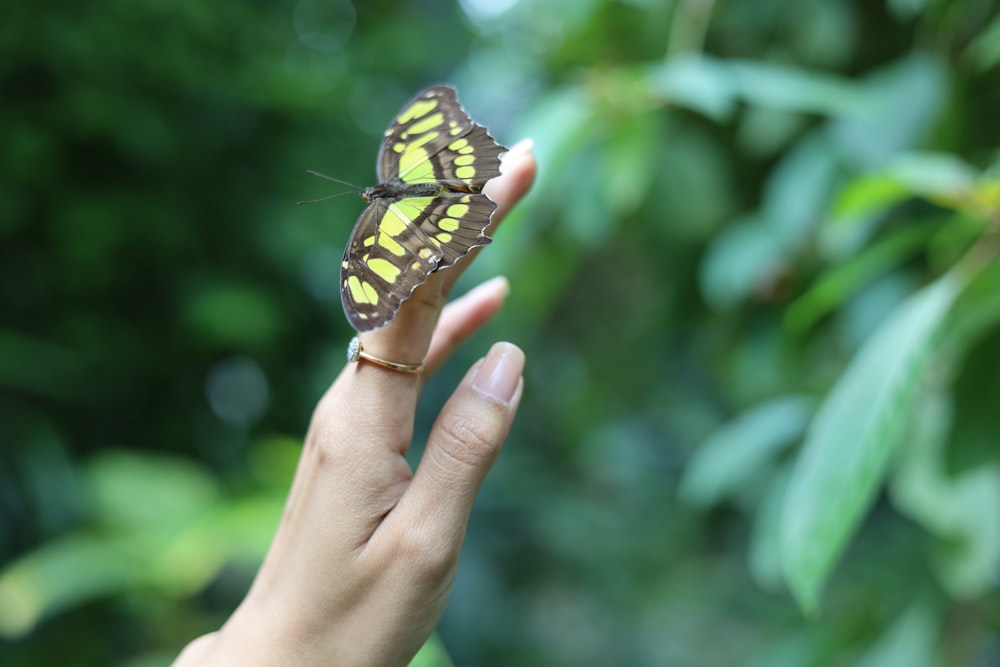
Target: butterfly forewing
[[410, 227], [434, 141]]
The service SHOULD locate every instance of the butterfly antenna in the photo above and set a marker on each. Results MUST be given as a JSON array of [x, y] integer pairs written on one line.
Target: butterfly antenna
[[333, 196], [331, 178]]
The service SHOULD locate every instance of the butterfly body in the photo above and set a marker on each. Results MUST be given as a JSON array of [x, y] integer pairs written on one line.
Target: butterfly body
[[396, 190], [427, 210]]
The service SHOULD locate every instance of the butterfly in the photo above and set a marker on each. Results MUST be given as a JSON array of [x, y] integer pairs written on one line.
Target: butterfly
[[427, 211]]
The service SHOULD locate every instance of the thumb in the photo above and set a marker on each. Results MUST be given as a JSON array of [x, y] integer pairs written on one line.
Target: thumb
[[465, 442]]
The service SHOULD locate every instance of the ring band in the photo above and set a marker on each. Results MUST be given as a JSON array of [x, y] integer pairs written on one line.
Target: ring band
[[356, 353]]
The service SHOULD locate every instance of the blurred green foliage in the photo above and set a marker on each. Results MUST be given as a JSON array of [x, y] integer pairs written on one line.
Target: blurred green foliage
[[755, 281]]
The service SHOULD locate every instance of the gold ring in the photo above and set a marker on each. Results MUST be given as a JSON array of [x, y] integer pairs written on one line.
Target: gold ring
[[356, 353]]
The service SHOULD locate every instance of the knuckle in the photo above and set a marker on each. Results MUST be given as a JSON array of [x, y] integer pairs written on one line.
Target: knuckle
[[426, 551], [324, 449], [465, 441], [427, 295]]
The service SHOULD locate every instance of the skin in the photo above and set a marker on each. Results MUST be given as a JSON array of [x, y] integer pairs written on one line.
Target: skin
[[365, 555]]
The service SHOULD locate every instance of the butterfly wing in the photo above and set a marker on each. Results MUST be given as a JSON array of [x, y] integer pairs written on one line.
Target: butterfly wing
[[433, 140], [453, 222], [386, 258]]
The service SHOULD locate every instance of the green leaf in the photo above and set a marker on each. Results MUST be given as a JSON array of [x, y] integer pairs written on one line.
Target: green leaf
[[906, 10], [849, 443], [939, 177], [432, 654], [911, 641], [785, 88], [798, 190], [142, 490], [968, 563], [697, 83], [60, 575], [764, 132], [743, 449], [694, 178], [744, 256], [878, 131], [844, 280], [629, 162], [986, 194], [964, 512], [866, 196], [765, 540], [712, 87], [160, 523], [176, 558], [984, 51]]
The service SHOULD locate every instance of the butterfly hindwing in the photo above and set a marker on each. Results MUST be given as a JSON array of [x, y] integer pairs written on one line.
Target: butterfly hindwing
[[456, 223], [386, 258], [427, 211]]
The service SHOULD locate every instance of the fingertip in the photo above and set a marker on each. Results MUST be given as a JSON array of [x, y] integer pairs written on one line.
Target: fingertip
[[516, 153], [517, 173], [519, 162]]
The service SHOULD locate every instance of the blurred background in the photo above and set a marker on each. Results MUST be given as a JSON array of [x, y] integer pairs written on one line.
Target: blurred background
[[732, 197]]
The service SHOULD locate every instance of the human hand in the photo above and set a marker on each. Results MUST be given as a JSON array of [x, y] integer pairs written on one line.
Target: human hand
[[365, 555]]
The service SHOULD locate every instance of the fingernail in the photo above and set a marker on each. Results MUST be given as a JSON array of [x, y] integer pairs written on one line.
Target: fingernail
[[515, 153], [523, 146], [498, 284], [500, 372]]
